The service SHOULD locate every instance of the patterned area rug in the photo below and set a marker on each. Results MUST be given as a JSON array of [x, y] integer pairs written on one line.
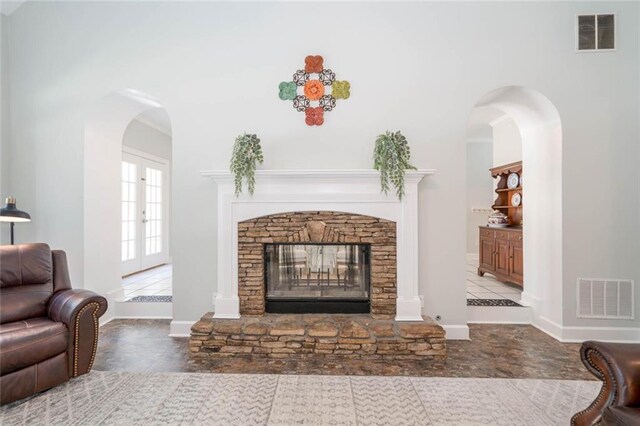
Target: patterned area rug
[[119, 398], [151, 299], [492, 302]]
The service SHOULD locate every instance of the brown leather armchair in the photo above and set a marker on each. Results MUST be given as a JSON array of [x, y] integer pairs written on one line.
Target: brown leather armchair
[[618, 366], [48, 331]]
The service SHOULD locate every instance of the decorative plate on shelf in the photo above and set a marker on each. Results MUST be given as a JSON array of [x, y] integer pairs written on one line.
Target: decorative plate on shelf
[[516, 199], [513, 180], [498, 225]]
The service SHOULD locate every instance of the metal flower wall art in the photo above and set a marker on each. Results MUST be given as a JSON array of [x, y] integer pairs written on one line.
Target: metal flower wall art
[[314, 90]]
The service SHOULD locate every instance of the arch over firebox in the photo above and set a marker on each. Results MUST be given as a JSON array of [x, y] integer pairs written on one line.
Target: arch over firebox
[[317, 227]]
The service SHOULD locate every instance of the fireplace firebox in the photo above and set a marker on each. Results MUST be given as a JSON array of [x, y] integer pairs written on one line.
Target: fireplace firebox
[[317, 278]]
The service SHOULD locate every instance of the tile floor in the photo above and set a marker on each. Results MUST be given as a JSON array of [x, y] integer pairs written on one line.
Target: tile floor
[[152, 282], [495, 350], [488, 287]]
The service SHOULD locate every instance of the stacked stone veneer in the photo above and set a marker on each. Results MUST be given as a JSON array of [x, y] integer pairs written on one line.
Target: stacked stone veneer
[[312, 335], [317, 227]]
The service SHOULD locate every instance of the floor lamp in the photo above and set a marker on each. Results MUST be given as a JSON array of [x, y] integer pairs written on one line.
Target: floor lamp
[[9, 213]]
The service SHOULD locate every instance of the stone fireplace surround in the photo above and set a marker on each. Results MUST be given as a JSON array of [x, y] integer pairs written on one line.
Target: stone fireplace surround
[[317, 227], [355, 192]]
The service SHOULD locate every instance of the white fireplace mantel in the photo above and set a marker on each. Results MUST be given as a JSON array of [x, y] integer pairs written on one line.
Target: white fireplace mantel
[[350, 191]]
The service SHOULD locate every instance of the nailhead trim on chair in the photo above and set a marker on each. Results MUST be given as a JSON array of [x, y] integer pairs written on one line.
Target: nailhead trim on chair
[[600, 396], [77, 334]]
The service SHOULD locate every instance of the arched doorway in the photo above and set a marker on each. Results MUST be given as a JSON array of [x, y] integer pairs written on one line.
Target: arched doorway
[[105, 128], [538, 124]]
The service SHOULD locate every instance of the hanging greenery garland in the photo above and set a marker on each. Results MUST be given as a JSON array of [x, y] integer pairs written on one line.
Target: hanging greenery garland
[[246, 153], [391, 158]]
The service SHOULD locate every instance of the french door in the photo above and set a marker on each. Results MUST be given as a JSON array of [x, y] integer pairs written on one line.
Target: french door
[[144, 238]]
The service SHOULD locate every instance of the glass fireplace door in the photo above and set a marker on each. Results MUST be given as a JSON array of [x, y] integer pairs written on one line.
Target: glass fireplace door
[[317, 278]]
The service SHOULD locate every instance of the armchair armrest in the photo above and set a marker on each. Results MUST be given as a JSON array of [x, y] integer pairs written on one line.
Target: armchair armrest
[[80, 311], [618, 366]]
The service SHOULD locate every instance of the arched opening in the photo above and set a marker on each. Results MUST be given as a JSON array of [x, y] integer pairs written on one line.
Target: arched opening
[[534, 126], [125, 214]]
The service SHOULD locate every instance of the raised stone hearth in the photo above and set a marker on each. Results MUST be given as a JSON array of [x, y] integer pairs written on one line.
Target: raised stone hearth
[[318, 335]]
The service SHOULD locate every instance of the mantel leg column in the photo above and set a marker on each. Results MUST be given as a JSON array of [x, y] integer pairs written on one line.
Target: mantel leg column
[[408, 305], [227, 303]]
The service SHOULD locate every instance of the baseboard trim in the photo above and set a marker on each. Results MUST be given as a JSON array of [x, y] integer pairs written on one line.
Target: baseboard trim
[[456, 332], [574, 334], [180, 328], [105, 319]]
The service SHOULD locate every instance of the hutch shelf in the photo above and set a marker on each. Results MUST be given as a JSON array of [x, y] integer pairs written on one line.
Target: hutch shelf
[[501, 250]]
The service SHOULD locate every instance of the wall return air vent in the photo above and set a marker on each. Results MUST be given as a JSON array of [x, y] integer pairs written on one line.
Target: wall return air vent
[[605, 298], [595, 32]]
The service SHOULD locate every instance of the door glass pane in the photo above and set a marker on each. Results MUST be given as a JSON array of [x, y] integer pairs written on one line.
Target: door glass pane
[[129, 173], [153, 209]]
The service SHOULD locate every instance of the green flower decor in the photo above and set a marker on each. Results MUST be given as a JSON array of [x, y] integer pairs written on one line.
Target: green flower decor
[[246, 152], [288, 90], [391, 158], [340, 89]]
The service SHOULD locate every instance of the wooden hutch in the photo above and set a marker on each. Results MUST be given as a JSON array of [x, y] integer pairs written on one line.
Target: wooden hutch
[[501, 251]]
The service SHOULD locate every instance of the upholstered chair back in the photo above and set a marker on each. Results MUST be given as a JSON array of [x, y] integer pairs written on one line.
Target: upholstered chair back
[[28, 279]]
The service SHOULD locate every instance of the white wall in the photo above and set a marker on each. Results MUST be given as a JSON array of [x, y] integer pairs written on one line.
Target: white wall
[[416, 67], [479, 189], [144, 138], [4, 124], [507, 142]]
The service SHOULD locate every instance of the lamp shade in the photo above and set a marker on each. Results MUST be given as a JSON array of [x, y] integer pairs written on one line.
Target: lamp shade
[[9, 212]]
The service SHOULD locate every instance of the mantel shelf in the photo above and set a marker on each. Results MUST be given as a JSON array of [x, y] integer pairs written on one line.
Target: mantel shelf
[[315, 174]]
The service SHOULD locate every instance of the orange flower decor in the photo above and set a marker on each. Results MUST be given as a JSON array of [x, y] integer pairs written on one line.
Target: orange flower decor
[[314, 89], [314, 116], [313, 64]]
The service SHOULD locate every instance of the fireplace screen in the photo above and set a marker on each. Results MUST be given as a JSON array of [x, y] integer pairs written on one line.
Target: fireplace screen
[[317, 278]]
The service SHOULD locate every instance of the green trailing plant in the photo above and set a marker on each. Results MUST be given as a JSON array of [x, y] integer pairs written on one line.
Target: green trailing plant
[[246, 153], [391, 158]]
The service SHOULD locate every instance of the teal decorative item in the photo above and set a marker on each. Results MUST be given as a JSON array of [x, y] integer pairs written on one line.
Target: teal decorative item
[[288, 90], [340, 89]]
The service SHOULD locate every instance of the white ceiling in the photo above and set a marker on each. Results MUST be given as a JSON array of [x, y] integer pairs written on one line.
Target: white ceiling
[[156, 118], [7, 7], [478, 127]]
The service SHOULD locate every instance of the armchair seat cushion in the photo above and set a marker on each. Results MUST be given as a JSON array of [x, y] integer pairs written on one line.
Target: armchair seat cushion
[[621, 416], [28, 342]]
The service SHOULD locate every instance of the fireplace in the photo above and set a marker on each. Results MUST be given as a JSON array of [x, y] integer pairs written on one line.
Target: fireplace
[[317, 278], [313, 239], [329, 207]]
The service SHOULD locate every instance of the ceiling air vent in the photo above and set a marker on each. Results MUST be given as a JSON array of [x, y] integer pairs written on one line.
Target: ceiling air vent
[[595, 32], [605, 298]]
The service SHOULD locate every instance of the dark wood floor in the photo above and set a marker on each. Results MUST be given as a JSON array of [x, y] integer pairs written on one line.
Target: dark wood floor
[[506, 351]]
